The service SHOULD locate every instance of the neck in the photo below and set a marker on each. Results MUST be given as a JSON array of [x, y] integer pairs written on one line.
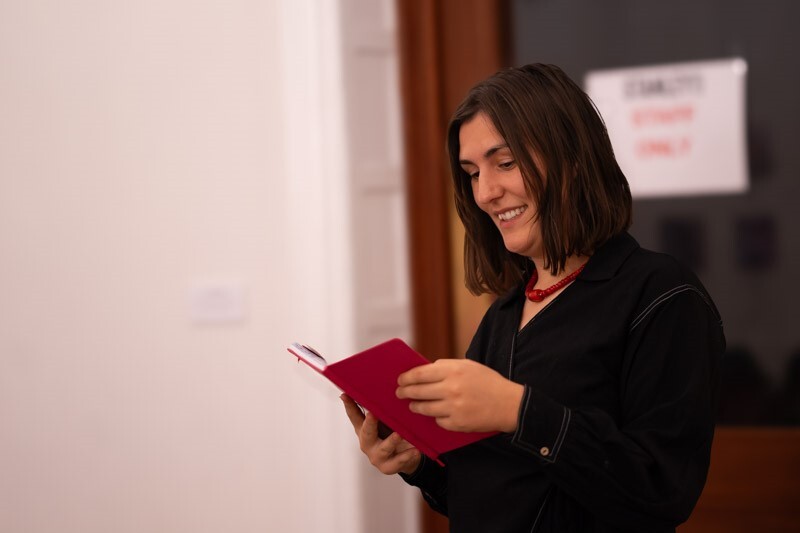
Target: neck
[[537, 292]]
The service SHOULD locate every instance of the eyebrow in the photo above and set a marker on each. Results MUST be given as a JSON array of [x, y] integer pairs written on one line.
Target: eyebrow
[[489, 153]]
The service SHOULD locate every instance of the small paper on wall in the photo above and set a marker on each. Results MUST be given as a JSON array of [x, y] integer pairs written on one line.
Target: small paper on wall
[[677, 129]]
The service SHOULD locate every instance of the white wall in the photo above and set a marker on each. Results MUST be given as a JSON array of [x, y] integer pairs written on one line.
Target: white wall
[[146, 149]]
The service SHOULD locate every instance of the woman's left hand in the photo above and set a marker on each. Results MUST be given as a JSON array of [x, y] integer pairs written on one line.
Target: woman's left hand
[[463, 395]]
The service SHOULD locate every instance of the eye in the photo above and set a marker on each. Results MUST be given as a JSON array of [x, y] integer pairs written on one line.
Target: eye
[[472, 172], [507, 165]]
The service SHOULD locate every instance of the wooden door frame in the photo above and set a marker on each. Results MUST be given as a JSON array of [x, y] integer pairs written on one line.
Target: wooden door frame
[[446, 46]]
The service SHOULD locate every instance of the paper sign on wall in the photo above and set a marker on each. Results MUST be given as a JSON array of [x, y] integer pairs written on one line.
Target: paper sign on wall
[[676, 129]]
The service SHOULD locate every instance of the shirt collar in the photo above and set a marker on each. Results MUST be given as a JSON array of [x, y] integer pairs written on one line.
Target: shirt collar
[[606, 260], [602, 265]]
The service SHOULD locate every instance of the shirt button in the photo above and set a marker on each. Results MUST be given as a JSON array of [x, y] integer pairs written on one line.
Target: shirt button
[[545, 451]]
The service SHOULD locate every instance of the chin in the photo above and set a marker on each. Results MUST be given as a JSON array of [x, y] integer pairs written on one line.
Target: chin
[[525, 249], [518, 249]]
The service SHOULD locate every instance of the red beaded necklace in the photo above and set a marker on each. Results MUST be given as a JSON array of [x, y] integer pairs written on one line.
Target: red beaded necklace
[[537, 295]]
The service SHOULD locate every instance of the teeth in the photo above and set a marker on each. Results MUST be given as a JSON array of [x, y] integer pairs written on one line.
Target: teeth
[[513, 213]]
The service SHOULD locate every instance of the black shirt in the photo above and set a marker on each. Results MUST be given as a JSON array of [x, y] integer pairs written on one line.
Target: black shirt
[[617, 418]]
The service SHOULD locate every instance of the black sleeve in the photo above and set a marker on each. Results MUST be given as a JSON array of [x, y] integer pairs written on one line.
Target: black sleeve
[[646, 468], [431, 479]]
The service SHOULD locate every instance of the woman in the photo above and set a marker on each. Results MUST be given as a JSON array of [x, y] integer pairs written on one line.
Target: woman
[[598, 362]]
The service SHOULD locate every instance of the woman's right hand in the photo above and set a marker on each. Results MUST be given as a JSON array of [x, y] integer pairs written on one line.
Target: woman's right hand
[[390, 455]]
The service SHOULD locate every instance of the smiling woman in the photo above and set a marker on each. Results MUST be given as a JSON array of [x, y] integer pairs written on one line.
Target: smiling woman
[[597, 363]]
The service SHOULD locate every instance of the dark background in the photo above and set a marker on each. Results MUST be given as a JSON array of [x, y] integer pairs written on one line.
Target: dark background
[[745, 248]]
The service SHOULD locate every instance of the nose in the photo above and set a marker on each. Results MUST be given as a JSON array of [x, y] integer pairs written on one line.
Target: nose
[[486, 188]]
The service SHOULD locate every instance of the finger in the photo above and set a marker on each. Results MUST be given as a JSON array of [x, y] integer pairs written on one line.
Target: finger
[[389, 458], [353, 411], [399, 443], [435, 408], [399, 461], [349, 401], [448, 423], [369, 430], [403, 446], [423, 374], [425, 391], [390, 445]]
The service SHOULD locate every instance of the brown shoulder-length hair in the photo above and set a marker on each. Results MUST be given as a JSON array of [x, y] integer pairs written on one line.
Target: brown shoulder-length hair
[[583, 198]]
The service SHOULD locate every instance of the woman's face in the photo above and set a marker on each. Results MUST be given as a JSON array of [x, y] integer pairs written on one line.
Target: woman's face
[[497, 185]]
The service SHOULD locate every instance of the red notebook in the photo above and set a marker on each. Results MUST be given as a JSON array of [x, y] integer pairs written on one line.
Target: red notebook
[[370, 378]]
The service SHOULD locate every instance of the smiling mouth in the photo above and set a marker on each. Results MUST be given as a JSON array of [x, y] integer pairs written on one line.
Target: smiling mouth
[[511, 214]]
